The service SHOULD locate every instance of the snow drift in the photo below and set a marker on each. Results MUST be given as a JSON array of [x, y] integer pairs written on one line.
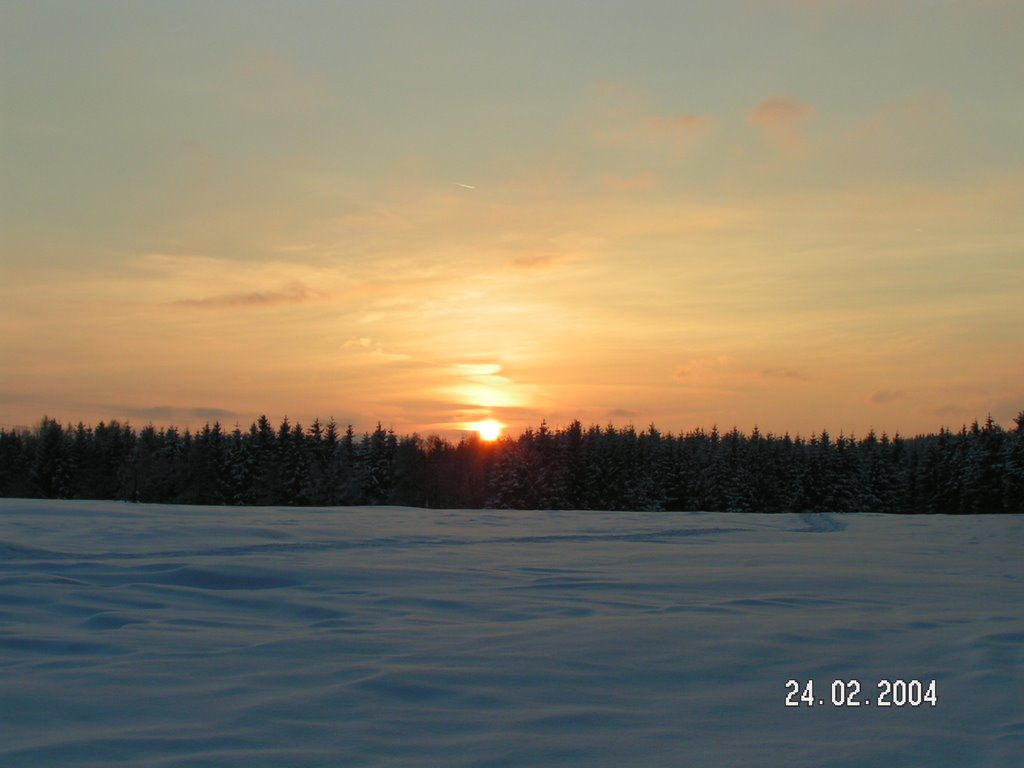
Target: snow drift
[[188, 636]]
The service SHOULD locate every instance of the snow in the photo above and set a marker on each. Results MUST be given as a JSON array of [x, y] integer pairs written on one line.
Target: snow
[[186, 636]]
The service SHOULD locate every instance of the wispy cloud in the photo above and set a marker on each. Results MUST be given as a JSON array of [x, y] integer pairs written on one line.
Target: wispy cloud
[[533, 262], [950, 409], [297, 293], [623, 413], [173, 414], [701, 367], [783, 373], [376, 353], [883, 396], [635, 183], [620, 115], [475, 369], [915, 130], [779, 109], [672, 127]]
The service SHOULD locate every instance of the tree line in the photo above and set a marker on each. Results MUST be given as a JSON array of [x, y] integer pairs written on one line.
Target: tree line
[[979, 469]]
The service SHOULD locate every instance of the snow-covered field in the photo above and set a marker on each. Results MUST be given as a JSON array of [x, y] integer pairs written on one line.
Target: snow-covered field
[[184, 636]]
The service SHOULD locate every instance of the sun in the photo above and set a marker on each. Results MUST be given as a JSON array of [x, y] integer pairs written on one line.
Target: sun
[[489, 430]]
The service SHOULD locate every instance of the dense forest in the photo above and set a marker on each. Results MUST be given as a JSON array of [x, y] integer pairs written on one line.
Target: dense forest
[[979, 469]]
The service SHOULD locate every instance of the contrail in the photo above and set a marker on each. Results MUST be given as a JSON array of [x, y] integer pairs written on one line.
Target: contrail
[[464, 186]]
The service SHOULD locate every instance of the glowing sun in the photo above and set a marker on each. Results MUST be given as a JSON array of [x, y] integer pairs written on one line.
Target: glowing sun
[[489, 430]]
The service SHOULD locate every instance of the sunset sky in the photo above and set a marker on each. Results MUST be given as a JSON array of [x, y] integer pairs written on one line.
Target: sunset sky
[[798, 214]]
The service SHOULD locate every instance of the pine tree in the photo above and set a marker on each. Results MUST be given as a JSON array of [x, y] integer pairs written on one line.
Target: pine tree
[[263, 444], [331, 482], [351, 468], [507, 487], [15, 465], [410, 466], [237, 471], [49, 471], [1013, 464], [316, 464], [978, 470], [295, 468], [378, 452]]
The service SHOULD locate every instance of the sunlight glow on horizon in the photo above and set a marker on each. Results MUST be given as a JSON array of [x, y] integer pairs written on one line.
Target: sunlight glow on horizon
[[489, 430], [689, 222]]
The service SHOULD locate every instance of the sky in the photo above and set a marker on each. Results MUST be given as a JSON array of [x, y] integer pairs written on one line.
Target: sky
[[794, 214]]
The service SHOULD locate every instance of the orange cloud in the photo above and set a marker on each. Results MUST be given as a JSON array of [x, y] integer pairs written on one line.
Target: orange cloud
[[622, 116], [782, 118]]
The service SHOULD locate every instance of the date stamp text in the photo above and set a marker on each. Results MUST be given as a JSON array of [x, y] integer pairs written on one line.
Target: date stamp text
[[850, 693]]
